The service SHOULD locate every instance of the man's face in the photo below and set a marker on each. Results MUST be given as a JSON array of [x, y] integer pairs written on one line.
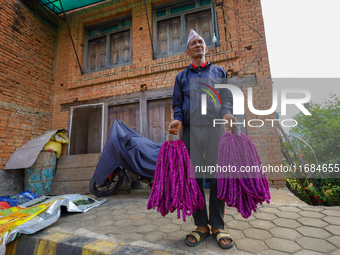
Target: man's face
[[196, 47]]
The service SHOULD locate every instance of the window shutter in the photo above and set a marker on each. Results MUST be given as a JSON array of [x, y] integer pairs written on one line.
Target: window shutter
[[205, 26], [115, 42], [97, 53], [176, 35], [163, 40], [102, 52], [92, 56], [201, 22], [126, 46]]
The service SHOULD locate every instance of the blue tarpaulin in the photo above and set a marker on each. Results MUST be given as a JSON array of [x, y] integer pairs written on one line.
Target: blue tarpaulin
[[126, 148]]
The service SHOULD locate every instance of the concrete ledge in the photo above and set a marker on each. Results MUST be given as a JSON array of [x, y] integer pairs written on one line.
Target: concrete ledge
[[44, 243]]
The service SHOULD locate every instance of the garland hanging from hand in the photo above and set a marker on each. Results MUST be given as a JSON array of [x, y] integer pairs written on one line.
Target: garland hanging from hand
[[174, 186], [243, 190]]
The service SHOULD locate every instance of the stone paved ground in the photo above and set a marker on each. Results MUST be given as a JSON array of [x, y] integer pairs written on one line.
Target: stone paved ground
[[274, 229]]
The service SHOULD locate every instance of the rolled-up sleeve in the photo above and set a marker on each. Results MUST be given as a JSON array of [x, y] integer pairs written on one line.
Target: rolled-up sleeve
[[226, 97], [177, 100]]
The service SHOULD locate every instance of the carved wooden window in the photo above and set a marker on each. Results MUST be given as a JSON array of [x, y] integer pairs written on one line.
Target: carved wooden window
[[108, 45], [173, 22]]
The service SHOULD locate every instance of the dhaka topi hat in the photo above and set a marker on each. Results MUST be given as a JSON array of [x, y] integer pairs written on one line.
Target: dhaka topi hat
[[191, 35]]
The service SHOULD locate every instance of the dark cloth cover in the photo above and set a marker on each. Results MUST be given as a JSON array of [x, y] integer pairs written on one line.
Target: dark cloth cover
[[126, 148]]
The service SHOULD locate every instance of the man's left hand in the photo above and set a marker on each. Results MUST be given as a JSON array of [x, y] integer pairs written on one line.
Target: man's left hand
[[230, 118]]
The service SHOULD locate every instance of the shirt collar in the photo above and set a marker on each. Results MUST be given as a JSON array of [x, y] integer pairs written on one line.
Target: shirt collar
[[195, 67]]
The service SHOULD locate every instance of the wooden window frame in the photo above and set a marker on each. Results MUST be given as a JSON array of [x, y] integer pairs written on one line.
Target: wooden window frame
[[97, 28], [71, 120], [182, 15]]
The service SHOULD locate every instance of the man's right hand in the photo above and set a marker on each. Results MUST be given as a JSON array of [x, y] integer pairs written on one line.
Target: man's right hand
[[175, 127]]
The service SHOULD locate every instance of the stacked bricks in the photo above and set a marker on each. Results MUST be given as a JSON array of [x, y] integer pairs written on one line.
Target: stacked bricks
[[27, 47]]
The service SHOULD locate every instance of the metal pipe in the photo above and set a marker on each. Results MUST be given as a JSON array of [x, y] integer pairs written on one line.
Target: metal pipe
[[69, 31]]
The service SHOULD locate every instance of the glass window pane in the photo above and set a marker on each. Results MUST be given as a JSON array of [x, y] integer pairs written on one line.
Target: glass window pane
[[161, 13], [127, 23], [182, 8], [204, 2], [105, 29]]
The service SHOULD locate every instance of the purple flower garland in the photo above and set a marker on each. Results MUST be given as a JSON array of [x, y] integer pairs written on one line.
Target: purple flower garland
[[173, 187], [240, 189]]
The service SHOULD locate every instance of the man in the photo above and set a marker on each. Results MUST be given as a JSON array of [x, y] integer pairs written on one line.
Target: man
[[199, 135]]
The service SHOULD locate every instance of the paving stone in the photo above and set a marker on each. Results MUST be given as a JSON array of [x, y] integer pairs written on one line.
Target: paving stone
[[169, 228], [123, 223], [106, 230], [101, 213], [239, 217], [265, 216], [188, 227], [83, 218], [126, 230], [105, 223], [286, 233], [333, 229], [142, 222], [288, 215], [263, 224], [177, 221], [177, 235], [116, 236], [147, 229], [107, 217], [282, 245], [235, 234], [315, 244], [308, 252], [154, 237], [257, 233], [240, 225], [273, 252], [154, 215], [118, 212], [161, 221], [336, 252], [312, 222], [251, 245], [130, 207], [92, 228], [313, 232], [268, 209], [311, 208], [138, 216], [335, 240], [229, 218], [311, 214], [332, 220], [121, 217], [287, 223], [131, 237], [331, 213], [289, 209]]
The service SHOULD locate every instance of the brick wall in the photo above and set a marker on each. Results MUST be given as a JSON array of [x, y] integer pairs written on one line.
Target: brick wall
[[239, 42], [27, 100], [27, 47]]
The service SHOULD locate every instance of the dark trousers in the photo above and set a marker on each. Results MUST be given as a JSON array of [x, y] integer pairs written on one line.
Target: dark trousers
[[202, 145]]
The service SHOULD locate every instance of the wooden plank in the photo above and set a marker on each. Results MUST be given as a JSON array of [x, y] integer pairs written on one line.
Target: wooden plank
[[74, 174], [71, 187], [76, 161]]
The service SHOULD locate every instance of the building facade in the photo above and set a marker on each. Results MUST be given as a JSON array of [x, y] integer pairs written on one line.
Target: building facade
[[129, 61]]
